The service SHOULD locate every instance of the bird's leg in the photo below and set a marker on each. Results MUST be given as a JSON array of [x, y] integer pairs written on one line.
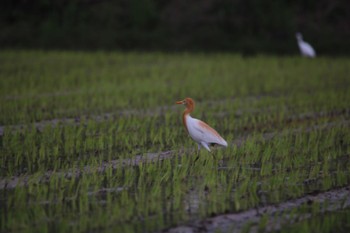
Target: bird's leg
[[199, 148], [196, 158]]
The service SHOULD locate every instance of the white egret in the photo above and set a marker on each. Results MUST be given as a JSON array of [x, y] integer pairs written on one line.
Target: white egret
[[306, 49]]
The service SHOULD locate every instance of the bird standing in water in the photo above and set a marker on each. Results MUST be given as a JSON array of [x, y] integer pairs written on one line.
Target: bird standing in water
[[199, 131]]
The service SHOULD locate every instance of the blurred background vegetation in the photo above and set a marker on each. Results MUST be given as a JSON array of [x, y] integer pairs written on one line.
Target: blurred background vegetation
[[247, 26]]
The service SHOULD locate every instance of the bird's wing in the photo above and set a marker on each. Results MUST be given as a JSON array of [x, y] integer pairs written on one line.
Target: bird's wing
[[307, 49], [207, 134]]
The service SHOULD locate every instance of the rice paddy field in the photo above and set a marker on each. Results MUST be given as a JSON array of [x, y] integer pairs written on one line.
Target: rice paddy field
[[93, 142]]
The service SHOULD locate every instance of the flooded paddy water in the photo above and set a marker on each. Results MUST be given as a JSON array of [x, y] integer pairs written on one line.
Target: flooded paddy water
[[110, 154]]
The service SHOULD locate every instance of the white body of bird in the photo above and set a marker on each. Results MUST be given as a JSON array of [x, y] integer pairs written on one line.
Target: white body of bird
[[305, 48], [202, 133], [199, 131]]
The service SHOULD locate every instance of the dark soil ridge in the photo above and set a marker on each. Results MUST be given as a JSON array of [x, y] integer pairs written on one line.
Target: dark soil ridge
[[278, 215], [40, 126], [24, 180]]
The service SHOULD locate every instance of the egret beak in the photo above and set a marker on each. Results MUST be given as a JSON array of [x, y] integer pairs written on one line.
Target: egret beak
[[180, 102]]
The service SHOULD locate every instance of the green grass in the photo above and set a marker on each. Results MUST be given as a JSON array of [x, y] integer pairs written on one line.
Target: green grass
[[64, 115]]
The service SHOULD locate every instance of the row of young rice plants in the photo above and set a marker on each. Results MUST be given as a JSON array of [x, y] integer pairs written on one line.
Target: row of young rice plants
[[87, 143], [38, 86], [91, 142], [239, 117], [152, 196]]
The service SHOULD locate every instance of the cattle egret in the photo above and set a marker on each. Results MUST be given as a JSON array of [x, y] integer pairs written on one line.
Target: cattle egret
[[306, 49], [199, 131]]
